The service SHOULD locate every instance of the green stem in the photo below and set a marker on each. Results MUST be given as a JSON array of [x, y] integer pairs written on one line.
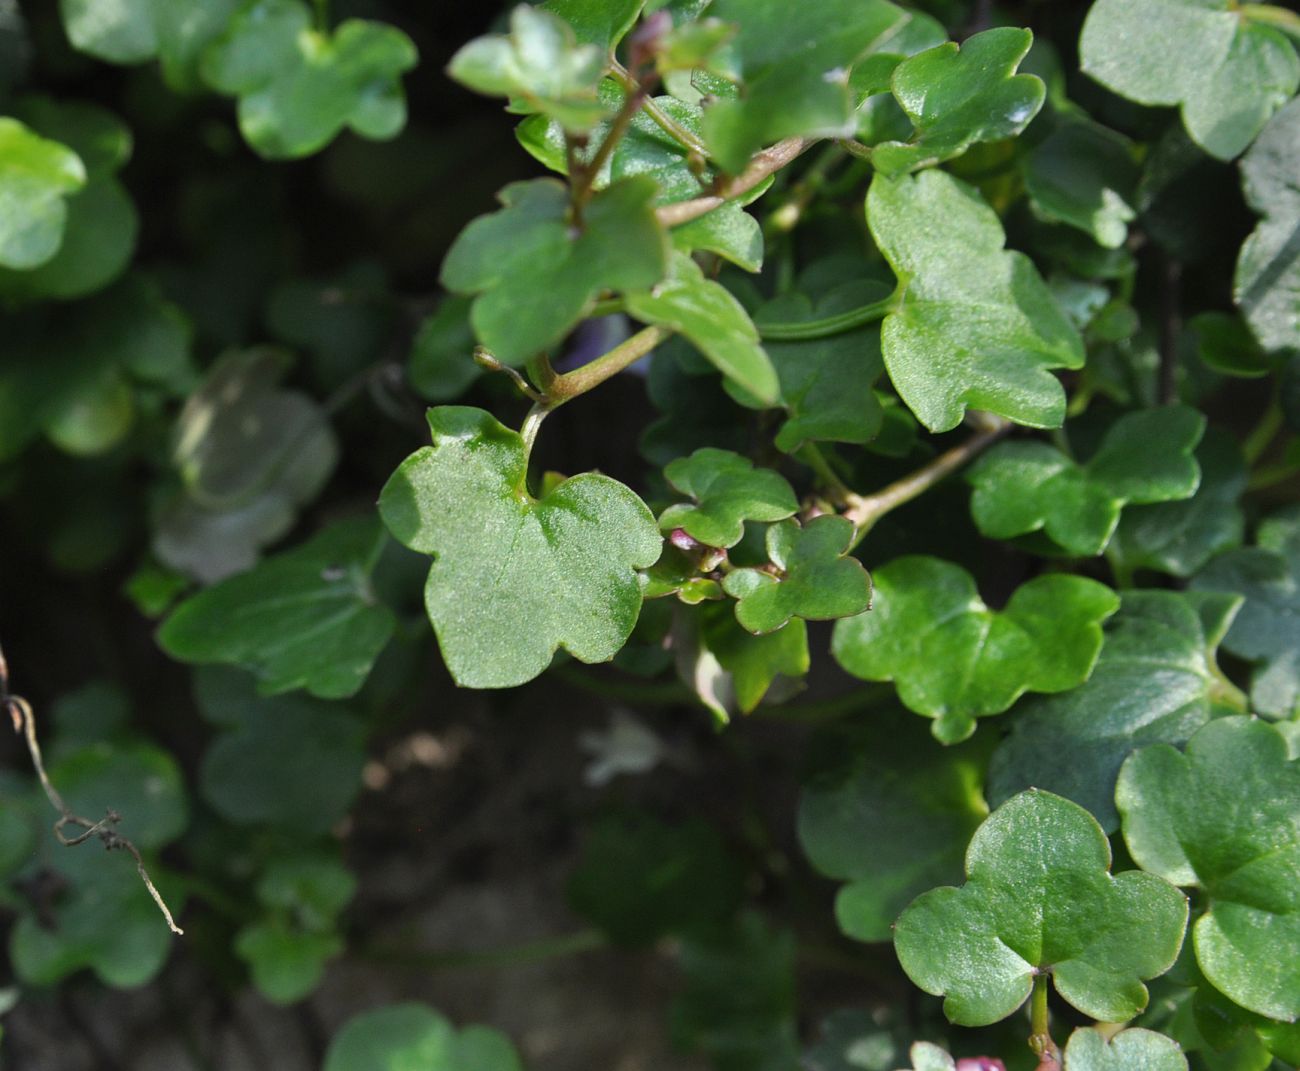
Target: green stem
[[568, 386], [322, 15], [1119, 570], [606, 307], [1041, 1038], [865, 510], [760, 167], [586, 178], [1263, 433], [546, 948], [662, 119], [1270, 475], [831, 325], [532, 424], [812, 455]]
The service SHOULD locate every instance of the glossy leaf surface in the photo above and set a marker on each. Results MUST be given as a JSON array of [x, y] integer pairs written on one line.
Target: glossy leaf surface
[[975, 325], [515, 578], [1039, 896], [1225, 817], [728, 490], [953, 659]]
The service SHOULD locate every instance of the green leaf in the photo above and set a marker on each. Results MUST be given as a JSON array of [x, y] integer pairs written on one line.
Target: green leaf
[[1129, 1050], [307, 618], [826, 383], [1145, 456], [753, 666], [707, 314], [953, 659], [100, 226], [286, 761], [814, 579], [140, 782], [1223, 817], [286, 964], [795, 68], [1039, 898], [728, 491], [640, 879], [402, 1036], [1267, 282], [541, 63], [298, 87], [127, 952], [737, 1003], [956, 96], [534, 274], [515, 578], [1228, 73], [36, 177], [249, 454], [597, 22], [1225, 344], [1180, 537], [1155, 682], [1085, 175], [890, 815], [1267, 630], [442, 364], [975, 325]]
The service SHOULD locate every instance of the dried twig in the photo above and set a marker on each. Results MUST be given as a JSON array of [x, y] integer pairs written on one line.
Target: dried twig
[[20, 711]]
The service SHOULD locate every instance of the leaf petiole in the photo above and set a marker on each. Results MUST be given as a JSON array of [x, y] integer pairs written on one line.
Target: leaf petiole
[[831, 325]]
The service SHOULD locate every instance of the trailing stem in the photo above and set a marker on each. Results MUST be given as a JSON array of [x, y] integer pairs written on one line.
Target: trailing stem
[[24, 721]]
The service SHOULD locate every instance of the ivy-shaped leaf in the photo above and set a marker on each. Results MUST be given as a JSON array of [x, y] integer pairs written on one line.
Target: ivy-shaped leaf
[[1085, 175], [1146, 456], [133, 31], [1134, 1049], [298, 86], [1267, 282], [1039, 898], [975, 325], [953, 659], [1155, 682], [814, 577], [534, 273], [515, 578], [889, 814], [1267, 630], [416, 1036], [728, 491], [709, 315], [541, 63], [1178, 538], [1228, 72], [958, 95], [303, 619], [795, 66], [36, 177], [1225, 817]]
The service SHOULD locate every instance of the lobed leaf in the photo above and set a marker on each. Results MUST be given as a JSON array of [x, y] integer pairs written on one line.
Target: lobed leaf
[[515, 578], [975, 325], [1225, 817], [1134, 1049], [953, 659], [1039, 898], [728, 491]]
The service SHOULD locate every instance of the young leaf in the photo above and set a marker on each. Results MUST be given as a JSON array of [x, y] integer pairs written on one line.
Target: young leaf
[[1145, 457], [413, 1035], [36, 175], [1039, 898], [1178, 538], [534, 273], [303, 619], [1267, 630], [975, 325], [1228, 72], [1134, 1049], [515, 578], [707, 314], [795, 66], [816, 579], [1085, 175], [1267, 282], [728, 491], [1155, 682], [953, 659], [891, 815], [958, 95], [1225, 817], [298, 87], [541, 63]]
